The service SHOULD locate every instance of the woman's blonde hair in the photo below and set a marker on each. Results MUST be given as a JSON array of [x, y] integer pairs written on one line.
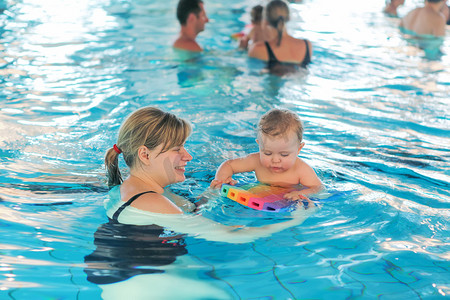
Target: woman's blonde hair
[[149, 127], [277, 14], [278, 122]]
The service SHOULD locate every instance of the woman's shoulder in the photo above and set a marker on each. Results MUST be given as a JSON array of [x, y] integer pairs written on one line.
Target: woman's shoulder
[[156, 203], [300, 42], [143, 198], [300, 47]]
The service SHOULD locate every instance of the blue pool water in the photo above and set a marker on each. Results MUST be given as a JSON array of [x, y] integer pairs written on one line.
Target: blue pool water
[[376, 115]]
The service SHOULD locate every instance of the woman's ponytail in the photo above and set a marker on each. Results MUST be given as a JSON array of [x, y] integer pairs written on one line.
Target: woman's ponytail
[[112, 167], [277, 14], [280, 28]]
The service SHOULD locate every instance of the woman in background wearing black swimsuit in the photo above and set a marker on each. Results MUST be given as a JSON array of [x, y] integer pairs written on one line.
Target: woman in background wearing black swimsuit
[[284, 53]]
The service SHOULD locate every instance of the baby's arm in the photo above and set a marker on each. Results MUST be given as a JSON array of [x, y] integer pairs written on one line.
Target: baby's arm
[[309, 179], [232, 166]]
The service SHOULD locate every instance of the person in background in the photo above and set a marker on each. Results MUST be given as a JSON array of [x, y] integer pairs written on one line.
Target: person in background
[[279, 136], [428, 20], [445, 10], [391, 7], [283, 53], [256, 33], [192, 17]]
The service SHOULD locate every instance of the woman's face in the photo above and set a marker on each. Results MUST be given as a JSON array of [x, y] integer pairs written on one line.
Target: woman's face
[[168, 167]]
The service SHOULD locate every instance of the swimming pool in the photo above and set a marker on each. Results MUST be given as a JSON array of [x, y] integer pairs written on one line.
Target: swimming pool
[[376, 115]]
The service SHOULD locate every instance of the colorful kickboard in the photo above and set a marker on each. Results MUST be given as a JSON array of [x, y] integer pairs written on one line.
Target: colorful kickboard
[[242, 33], [259, 196]]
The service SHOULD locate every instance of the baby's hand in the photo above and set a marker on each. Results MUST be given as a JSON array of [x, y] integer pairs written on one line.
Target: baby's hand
[[295, 195], [215, 184]]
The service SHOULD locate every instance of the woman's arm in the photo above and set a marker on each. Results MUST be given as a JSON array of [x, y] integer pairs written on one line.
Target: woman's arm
[[198, 226], [181, 202]]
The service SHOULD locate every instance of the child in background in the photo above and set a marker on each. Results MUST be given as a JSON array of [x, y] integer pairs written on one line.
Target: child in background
[[256, 32], [279, 137], [392, 6]]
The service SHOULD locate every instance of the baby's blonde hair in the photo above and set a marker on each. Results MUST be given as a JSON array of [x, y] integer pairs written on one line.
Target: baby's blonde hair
[[150, 127], [278, 122]]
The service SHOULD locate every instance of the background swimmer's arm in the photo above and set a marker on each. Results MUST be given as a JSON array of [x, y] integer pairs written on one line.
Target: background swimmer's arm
[[243, 42]]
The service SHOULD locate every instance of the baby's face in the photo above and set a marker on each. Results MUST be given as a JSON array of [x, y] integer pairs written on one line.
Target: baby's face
[[278, 154]]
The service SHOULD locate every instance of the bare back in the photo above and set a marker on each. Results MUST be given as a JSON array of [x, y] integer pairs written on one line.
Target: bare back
[[291, 50], [425, 20]]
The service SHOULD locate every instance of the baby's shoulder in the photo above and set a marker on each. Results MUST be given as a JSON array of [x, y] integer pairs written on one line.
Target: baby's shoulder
[[300, 163], [252, 158]]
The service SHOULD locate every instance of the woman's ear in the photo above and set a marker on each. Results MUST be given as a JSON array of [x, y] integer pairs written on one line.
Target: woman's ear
[[144, 155]]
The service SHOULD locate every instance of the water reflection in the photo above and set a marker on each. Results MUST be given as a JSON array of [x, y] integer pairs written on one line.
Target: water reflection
[[123, 251]]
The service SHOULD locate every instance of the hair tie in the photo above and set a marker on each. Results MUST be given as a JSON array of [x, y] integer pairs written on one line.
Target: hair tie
[[117, 149]]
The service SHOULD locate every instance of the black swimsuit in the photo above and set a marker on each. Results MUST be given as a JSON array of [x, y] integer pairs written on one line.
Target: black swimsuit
[[126, 204], [123, 251], [280, 68]]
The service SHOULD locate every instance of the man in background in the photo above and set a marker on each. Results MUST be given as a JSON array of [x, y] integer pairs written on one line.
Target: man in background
[[192, 17]]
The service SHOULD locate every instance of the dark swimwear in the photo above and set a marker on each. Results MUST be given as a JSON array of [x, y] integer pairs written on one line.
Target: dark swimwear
[[280, 68], [126, 204], [123, 251]]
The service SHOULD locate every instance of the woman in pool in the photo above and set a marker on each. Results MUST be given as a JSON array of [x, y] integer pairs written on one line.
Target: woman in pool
[[143, 246], [283, 52], [152, 143]]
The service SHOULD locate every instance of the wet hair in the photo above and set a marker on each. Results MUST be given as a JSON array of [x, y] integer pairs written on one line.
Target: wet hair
[[277, 14], [256, 14], [186, 7], [434, 1], [279, 122], [148, 126]]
